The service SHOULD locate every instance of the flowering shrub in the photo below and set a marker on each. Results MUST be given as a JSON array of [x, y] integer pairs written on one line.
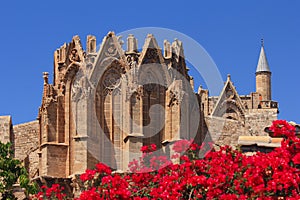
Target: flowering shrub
[[54, 192], [224, 174]]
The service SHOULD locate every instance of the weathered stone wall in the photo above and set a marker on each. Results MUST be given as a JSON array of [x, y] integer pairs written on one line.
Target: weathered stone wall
[[225, 131], [79, 156], [6, 129], [247, 101], [54, 156], [258, 119], [26, 145]]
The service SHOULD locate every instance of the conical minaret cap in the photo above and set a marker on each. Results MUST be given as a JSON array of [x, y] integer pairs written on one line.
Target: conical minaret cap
[[263, 65]]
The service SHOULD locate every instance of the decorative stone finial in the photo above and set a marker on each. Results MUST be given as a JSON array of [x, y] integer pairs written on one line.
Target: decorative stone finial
[[150, 35], [110, 33], [131, 44], [228, 77], [167, 49], [200, 88], [45, 76], [91, 44]]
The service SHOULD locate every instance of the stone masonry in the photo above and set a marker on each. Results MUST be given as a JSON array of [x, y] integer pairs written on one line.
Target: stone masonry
[[103, 105], [26, 142]]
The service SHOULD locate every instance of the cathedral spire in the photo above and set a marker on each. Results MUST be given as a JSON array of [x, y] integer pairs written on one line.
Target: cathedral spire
[[262, 65]]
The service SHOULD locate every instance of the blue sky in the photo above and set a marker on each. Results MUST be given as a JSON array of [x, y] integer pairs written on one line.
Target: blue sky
[[230, 31]]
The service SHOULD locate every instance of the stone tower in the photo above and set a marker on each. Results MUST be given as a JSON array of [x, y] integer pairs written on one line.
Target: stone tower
[[263, 76]]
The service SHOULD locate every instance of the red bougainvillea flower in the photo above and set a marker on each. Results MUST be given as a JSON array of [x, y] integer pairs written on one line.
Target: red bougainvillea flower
[[88, 175], [296, 159], [282, 128], [224, 174], [91, 194], [103, 169], [144, 149], [181, 146], [54, 192], [148, 148], [153, 147]]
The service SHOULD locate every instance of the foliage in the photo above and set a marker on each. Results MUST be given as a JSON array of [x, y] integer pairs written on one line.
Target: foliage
[[224, 174], [11, 172]]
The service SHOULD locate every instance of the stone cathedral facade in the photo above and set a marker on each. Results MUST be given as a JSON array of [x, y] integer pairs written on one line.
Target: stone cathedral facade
[[104, 104]]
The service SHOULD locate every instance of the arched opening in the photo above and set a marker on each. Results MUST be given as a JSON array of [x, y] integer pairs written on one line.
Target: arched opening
[[154, 95], [232, 111], [231, 114], [109, 114], [153, 104]]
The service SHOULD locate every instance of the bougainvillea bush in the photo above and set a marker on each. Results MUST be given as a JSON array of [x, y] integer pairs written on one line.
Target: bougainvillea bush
[[224, 174]]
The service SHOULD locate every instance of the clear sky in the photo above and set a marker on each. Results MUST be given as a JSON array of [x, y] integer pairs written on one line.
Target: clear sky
[[230, 31]]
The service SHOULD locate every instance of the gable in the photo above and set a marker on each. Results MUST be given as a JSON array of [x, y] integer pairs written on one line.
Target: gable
[[110, 52], [229, 104], [151, 52]]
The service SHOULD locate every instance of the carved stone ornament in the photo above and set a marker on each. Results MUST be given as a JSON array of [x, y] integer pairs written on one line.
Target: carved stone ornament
[[136, 90], [74, 57], [175, 97], [81, 88], [230, 94], [112, 80], [132, 59], [48, 101], [111, 50]]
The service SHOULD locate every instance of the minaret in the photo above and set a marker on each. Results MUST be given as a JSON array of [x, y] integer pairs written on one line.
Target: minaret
[[263, 75]]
